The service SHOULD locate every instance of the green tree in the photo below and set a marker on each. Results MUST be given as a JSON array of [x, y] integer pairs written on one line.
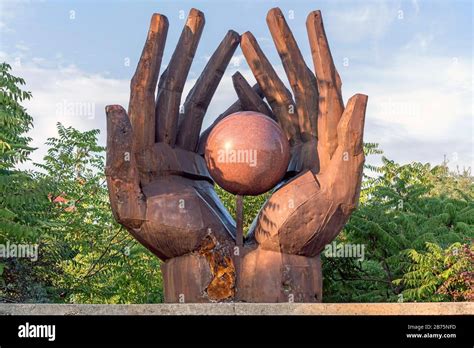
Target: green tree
[[439, 274], [251, 206], [404, 207], [22, 201], [87, 257], [14, 120], [415, 221]]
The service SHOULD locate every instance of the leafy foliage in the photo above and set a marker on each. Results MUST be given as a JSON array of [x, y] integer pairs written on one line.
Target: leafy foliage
[[23, 202], [415, 221], [84, 256], [95, 259], [14, 120], [406, 206], [252, 205], [439, 274]]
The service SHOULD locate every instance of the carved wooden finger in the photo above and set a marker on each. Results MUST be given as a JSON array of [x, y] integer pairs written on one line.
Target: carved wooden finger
[[331, 105], [200, 96], [308, 212], [301, 78], [173, 79], [304, 156], [349, 155], [235, 107], [341, 181], [142, 96], [126, 198], [275, 92], [249, 99]]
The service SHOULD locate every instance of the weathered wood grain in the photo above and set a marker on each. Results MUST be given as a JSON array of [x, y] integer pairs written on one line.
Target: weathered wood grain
[[331, 105], [200, 96], [126, 198], [235, 107], [173, 79], [161, 191], [141, 108], [275, 92], [309, 211], [249, 99], [267, 277], [301, 78]]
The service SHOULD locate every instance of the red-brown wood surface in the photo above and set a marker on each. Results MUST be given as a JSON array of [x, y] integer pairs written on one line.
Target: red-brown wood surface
[[173, 79], [200, 96], [161, 191]]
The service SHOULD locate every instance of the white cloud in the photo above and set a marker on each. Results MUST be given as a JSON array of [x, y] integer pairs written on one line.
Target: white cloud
[[426, 95], [265, 42], [4, 28], [362, 21], [237, 61], [22, 47], [8, 11], [425, 101], [420, 107], [416, 6], [76, 98], [420, 42], [67, 95]]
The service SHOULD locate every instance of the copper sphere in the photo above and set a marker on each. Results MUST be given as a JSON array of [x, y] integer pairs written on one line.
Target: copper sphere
[[247, 153]]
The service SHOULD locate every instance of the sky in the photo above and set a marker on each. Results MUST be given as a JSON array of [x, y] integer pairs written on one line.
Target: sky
[[412, 58]]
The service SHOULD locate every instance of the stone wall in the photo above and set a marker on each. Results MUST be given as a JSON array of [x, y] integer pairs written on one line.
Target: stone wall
[[442, 308]]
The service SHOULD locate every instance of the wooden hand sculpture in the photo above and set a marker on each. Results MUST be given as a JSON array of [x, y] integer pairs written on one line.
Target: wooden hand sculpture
[[159, 187], [309, 210], [161, 192]]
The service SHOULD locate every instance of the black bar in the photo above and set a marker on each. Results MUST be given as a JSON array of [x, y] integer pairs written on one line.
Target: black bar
[[261, 330]]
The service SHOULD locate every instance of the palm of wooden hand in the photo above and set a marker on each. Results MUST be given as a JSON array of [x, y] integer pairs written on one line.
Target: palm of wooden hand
[[308, 212], [159, 187], [161, 191]]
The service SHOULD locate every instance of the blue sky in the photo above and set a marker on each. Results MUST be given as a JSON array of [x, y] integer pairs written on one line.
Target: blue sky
[[413, 59]]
